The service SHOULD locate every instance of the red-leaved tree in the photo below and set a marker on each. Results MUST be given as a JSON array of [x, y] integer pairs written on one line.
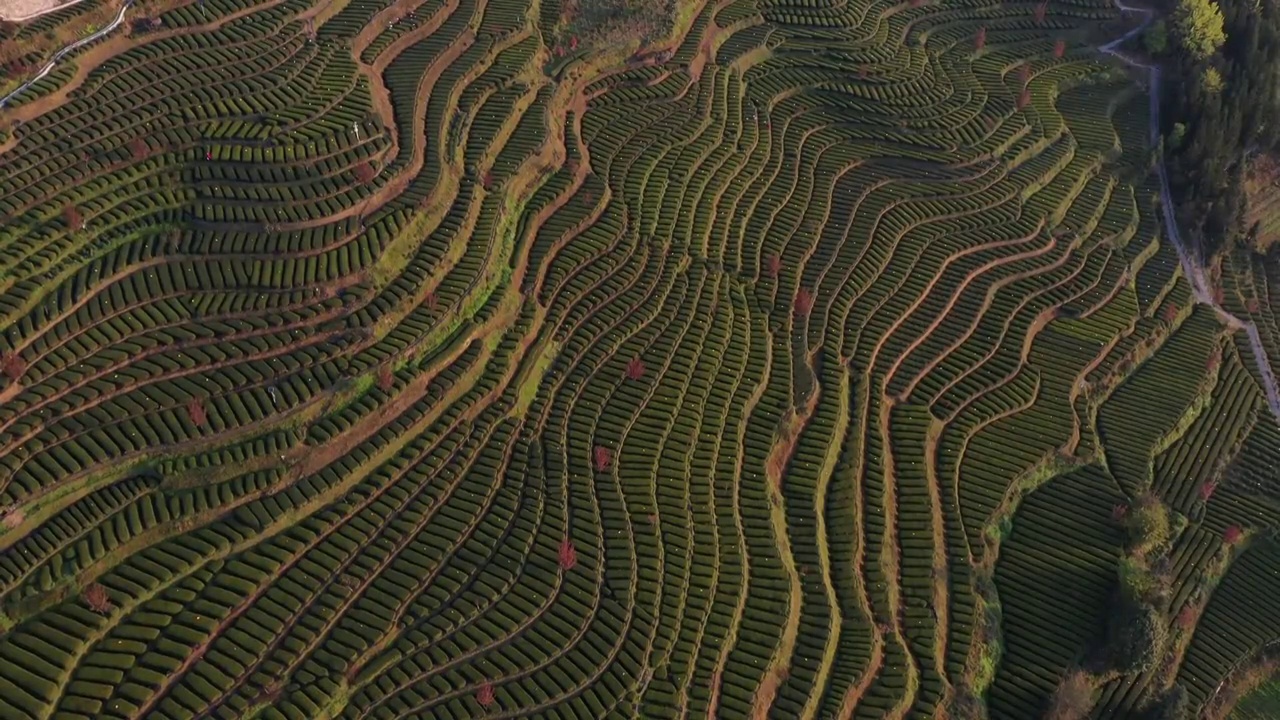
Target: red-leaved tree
[[863, 72], [14, 518], [13, 366], [980, 40], [1186, 618], [1024, 74], [1024, 98], [138, 149], [365, 172], [568, 554], [1252, 305], [195, 411], [804, 302], [386, 380], [772, 266], [488, 181], [635, 369], [72, 215], [1042, 10], [1232, 535], [1059, 48], [1170, 312], [1119, 512], [1207, 490], [484, 695], [603, 458], [96, 597], [431, 300]]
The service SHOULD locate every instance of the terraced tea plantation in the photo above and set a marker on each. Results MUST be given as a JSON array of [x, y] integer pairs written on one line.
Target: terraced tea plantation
[[418, 360]]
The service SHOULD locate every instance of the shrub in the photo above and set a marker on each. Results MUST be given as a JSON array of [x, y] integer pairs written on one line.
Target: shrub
[[1186, 618], [804, 302], [568, 554], [484, 695], [772, 266], [96, 597], [1207, 490], [1137, 635], [72, 215], [635, 369], [196, 412], [1156, 38], [1232, 535], [13, 519], [603, 458], [616, 22], [1173, 704], [13, 366], [138, 149], [1073, 698], [1147, 524], [365, 172]]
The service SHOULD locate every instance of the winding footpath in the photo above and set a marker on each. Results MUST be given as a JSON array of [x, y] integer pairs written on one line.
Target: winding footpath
[[65, 51], [1193, 272]]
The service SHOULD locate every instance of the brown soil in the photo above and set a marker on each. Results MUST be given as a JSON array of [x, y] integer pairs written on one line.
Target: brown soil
[[23, 10]]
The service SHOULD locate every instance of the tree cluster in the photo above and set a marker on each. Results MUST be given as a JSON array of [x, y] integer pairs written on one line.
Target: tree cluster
[[1222, 106], [604, 23]]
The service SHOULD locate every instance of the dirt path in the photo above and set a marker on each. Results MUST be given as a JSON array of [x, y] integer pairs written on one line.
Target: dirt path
[[1193, 271], [24, 10]]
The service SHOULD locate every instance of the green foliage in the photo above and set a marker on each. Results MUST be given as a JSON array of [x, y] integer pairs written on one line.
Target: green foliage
[[1147, 525], [1173, 704], [1199, 27], [1137, 583], [1137, 635], [1211, 81], [605, 22], [1156, 38]]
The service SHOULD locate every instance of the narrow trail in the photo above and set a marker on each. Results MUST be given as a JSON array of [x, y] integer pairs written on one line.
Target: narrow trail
[[42, 10], [1194, 273], [48, 67]]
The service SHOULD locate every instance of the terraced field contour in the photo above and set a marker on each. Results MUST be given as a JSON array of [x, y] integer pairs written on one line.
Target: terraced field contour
[[370, 359]]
